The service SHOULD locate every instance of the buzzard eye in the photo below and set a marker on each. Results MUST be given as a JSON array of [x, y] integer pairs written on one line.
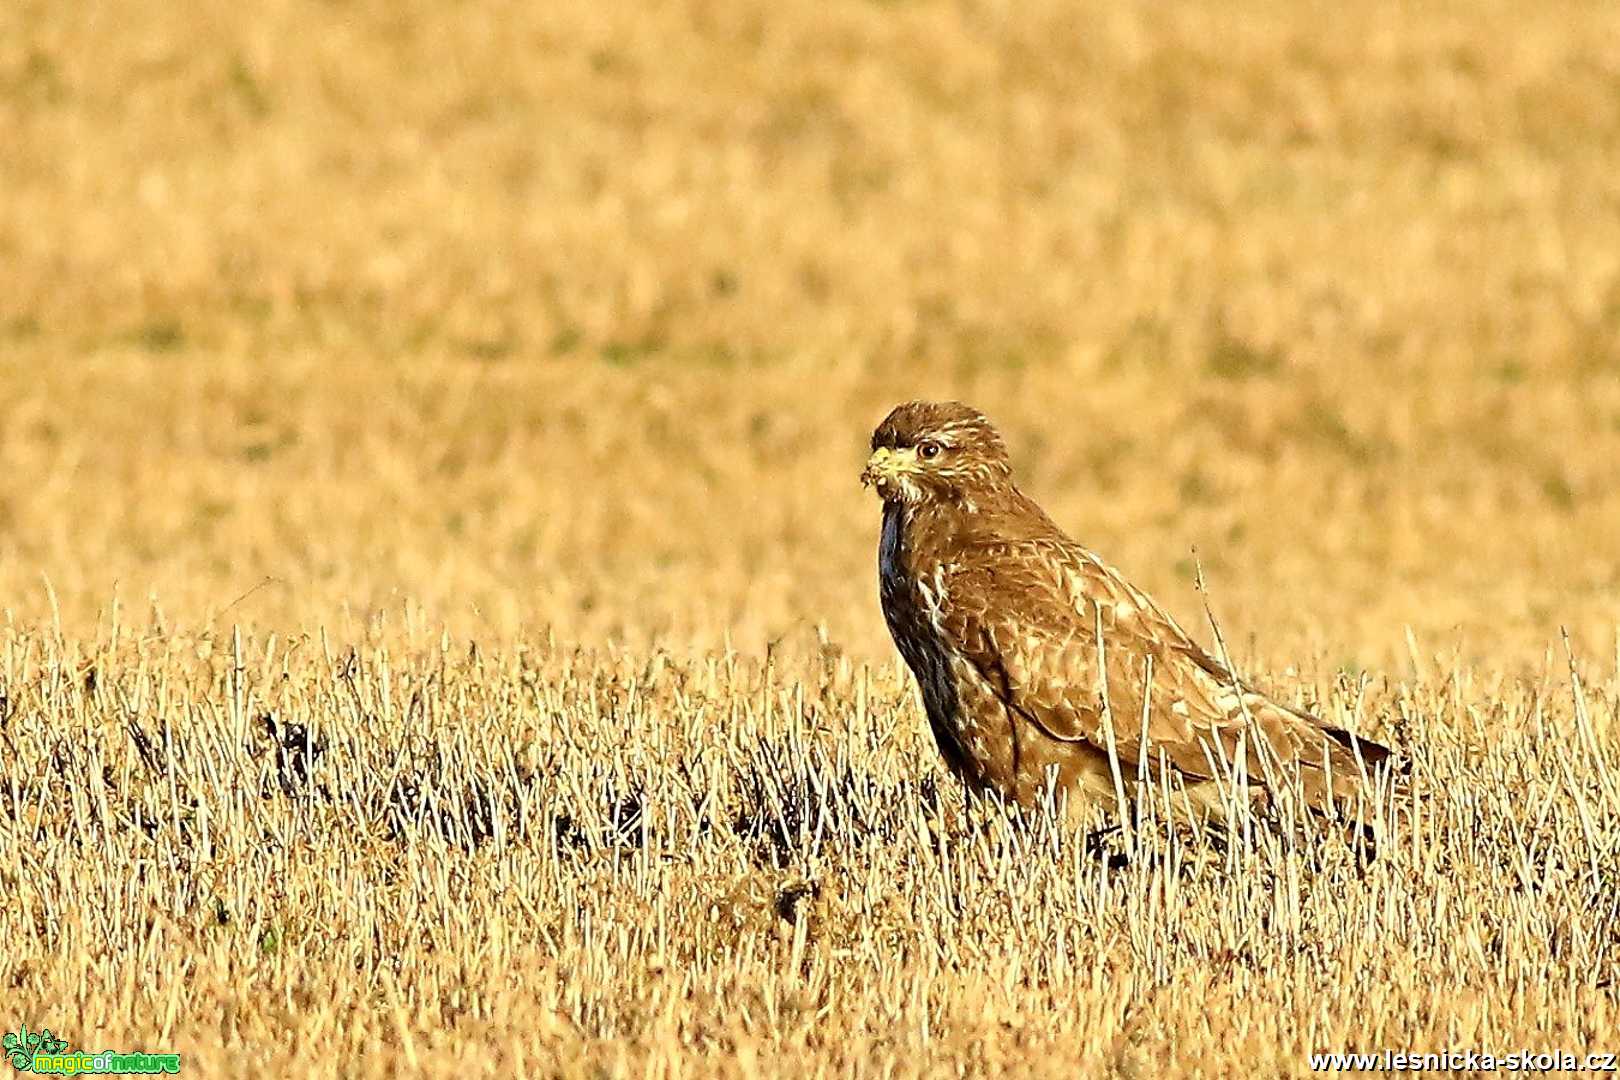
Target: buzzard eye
[[928, 450]]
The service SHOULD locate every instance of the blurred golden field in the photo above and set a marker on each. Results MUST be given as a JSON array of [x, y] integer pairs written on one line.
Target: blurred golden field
[[440, 631]]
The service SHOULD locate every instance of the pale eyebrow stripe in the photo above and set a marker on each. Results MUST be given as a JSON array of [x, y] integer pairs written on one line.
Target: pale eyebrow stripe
[[955, 427]]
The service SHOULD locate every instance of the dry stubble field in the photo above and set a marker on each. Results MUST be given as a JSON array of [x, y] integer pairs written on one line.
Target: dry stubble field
[[440, 633]]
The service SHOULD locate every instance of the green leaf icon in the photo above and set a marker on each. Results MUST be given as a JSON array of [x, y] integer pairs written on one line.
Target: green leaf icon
[[17, 1049]]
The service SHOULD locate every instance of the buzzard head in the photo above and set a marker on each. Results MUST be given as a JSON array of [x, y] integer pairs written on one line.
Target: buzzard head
[[933, 451]]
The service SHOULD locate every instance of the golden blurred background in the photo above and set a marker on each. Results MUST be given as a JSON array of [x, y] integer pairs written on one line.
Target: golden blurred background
[[574, 318]]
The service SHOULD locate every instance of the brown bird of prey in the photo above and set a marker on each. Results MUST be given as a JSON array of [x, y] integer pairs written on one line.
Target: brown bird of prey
[[1034, 656]]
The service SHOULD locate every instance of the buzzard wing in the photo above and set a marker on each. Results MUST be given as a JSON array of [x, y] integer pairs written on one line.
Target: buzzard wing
[[1027, 616]]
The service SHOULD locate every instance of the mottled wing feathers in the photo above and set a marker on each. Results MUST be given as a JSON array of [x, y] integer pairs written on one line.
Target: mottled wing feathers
[[1026, 615]]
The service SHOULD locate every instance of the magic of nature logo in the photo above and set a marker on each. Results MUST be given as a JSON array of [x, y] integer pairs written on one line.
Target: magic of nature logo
[[43, 1052]]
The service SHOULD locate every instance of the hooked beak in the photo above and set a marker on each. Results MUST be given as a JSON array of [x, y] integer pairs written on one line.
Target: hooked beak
[[880, 470]]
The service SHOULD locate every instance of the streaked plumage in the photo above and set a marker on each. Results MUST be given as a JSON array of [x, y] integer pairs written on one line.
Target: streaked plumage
[[997, 612]]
